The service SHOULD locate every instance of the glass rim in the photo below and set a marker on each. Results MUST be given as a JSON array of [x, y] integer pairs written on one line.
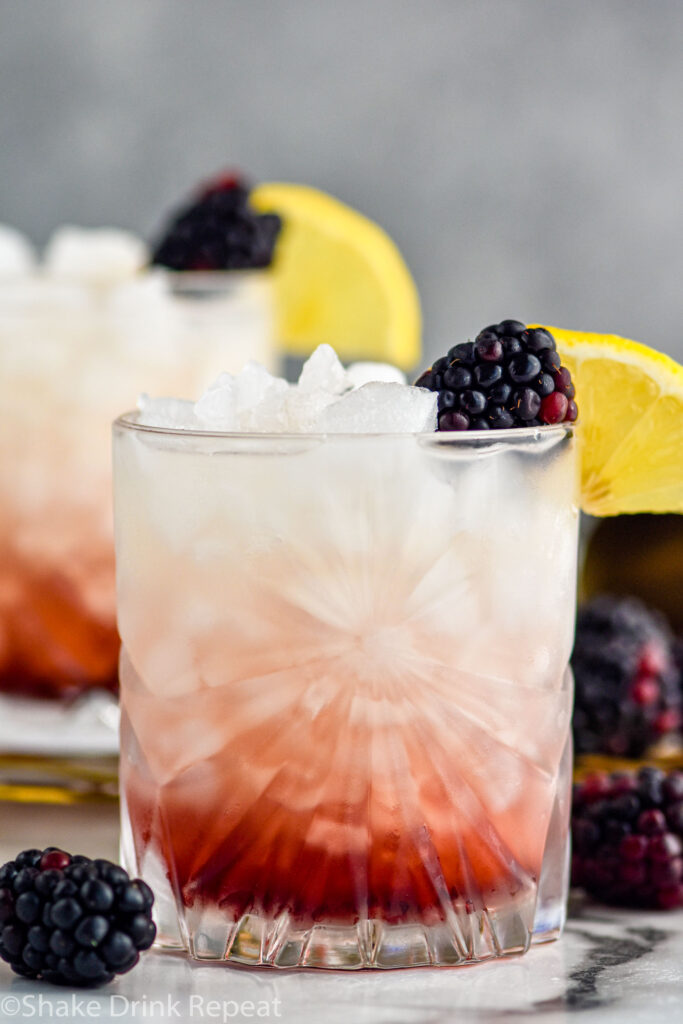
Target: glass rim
[[129, 421]]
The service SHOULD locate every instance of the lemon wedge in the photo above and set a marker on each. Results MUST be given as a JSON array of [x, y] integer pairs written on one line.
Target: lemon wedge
[[630, 426], [339, 279]]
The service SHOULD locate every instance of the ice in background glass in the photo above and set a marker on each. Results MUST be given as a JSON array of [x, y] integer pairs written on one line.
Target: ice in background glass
[[345, 690], [80, 335]]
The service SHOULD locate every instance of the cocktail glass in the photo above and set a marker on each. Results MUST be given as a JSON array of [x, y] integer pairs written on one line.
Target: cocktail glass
[[345, 690], [73, 352]]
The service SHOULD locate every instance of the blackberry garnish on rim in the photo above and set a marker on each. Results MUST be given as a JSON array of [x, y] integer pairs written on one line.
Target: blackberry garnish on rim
[[219, 230], [510, 376]]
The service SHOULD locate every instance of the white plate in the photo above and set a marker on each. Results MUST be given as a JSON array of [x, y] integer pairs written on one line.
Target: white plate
[[89, 727]]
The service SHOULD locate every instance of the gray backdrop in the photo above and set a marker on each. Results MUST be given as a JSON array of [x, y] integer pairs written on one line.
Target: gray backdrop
[[525, 154]]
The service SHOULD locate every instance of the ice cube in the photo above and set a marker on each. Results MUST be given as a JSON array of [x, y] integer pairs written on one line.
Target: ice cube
[[322, 371], [254, 400], [366, 372], [303, 409], [268, 417], [17, 255], [378, 408], [260, 399], [95, 254], [252, 386], [175, 413], [217, 408]]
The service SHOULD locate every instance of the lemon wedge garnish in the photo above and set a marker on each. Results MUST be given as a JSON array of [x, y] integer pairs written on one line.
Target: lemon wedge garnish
[[630, 425], [339, 279]]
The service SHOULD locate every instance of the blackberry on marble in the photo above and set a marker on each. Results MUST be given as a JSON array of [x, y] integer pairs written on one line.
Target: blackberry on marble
[[509, 376], [71, 920]]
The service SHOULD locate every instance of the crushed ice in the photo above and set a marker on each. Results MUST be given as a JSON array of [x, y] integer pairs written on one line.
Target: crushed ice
[[91, 256], [370, 398], [174, 413]]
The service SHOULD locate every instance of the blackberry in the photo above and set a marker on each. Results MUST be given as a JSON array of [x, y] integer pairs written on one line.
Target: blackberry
[[218, 231], [72, 920], [627, 838], [510, 376], [678, 662], [627, 695]]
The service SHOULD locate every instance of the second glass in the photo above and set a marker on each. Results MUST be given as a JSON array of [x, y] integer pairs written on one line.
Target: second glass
[[72, 354]]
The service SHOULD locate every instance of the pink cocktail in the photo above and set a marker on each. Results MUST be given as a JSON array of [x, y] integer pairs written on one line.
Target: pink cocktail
[[345, 693]]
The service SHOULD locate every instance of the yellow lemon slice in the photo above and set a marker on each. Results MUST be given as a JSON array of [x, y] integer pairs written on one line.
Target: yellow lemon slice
[[339, 279], [630, 426]]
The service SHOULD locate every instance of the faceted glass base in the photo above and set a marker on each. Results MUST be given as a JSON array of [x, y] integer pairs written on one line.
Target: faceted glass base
[[258, 942]]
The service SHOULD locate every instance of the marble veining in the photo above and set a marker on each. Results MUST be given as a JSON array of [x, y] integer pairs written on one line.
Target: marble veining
[[601, 953]]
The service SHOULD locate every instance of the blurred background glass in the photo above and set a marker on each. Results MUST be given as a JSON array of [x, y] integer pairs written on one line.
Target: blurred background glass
[[525, 154]]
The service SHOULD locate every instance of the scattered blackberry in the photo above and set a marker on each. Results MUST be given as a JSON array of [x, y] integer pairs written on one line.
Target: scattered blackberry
[[627, 695], [627, 838], [510, 376], [72, 920], [219, 231]]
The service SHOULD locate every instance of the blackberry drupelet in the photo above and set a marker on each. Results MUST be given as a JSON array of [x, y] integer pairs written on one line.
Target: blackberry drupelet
[[219, 231], [510, 376], [627, 681], [627, 838], [71, 920]]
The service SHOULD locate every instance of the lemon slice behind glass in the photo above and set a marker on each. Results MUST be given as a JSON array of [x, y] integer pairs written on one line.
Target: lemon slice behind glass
[[339, 279], [630, 427]]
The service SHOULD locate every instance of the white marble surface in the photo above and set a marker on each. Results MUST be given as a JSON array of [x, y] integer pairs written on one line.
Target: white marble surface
[[609, 966]]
